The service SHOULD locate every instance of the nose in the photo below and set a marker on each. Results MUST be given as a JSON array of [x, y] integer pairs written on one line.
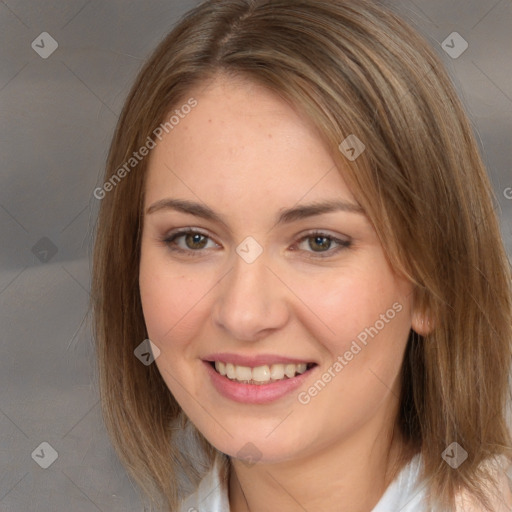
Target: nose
[[251, 301]]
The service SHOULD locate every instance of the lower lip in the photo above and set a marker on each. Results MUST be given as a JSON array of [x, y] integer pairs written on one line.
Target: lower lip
[[255, 393]]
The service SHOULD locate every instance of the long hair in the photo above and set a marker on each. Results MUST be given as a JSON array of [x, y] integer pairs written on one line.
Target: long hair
[[352, 67]]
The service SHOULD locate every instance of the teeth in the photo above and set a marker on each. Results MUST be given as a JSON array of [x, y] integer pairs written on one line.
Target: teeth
[[243, 373], [289, 370], [261, 374], [277, 371], [220, 367]]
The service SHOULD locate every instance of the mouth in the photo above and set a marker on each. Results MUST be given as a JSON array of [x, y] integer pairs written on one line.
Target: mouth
[[260, 375]]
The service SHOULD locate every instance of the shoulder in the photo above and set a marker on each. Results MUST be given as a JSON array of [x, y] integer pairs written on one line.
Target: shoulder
[[500, 496], [212, 492]]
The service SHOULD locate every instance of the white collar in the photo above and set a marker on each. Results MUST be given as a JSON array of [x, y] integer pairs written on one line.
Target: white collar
[[404, 494]]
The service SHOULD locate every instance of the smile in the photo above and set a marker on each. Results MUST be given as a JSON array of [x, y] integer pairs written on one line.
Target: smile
[[259, 375], [260, 384]]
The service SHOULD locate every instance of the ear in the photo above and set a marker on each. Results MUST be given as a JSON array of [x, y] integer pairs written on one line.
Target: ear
[[422, 323]]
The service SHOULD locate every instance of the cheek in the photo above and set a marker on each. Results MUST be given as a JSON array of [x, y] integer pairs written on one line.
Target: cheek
[[174, 314], [362, 319], [345, 305], [369, 321], [171, 301]]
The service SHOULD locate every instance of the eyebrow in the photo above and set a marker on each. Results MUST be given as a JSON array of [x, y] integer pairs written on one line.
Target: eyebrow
[[285, 216]]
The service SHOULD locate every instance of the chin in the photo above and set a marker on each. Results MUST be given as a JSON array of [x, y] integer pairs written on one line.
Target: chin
[[256, 445]]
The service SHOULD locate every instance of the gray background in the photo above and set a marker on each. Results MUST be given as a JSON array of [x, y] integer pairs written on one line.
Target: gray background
[[57, 117]]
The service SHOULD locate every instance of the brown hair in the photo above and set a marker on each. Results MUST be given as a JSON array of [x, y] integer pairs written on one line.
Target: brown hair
[[353, 67]]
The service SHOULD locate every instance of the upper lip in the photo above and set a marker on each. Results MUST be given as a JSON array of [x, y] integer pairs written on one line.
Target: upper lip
[[256, 360]]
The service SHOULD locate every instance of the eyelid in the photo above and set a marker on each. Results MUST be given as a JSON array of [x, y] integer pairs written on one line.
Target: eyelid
[[342, 244], [179, 232]]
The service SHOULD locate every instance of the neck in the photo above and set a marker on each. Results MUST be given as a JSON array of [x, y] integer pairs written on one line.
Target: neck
[[351, 476]]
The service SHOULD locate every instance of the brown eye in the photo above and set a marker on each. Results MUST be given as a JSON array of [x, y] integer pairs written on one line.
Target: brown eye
[[194, 242], [319, 244]]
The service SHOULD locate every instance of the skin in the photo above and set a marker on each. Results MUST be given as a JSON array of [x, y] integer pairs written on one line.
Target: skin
[[247, 155]]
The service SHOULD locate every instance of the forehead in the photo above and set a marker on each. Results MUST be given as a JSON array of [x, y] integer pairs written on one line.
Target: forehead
[[243, 141]]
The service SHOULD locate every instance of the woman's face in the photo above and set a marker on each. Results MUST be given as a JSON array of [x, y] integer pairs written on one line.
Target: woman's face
[[264, 281]]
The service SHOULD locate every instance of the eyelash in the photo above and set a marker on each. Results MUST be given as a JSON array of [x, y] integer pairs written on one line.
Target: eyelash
[[170, 239]]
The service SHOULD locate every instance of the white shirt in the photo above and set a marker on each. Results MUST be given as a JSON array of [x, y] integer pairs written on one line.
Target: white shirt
[[405, 494]]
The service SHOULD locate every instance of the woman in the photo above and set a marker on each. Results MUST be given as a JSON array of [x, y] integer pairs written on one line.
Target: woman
[[296, 215]]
